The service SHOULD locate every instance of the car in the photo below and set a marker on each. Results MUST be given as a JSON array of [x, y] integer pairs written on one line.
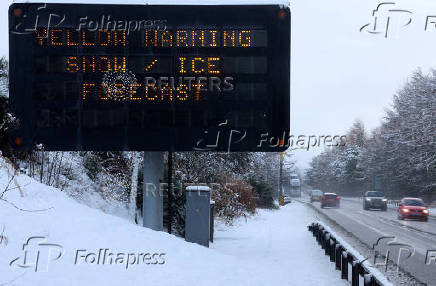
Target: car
[[315, 195], [412, 208], [375, 200], [330, 200], [287, 200]]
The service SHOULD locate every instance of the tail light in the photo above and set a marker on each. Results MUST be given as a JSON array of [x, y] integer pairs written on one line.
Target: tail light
[[337, 198]]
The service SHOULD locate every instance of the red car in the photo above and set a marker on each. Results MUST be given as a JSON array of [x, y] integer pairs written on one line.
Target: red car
[[330, 200], [412, 208]]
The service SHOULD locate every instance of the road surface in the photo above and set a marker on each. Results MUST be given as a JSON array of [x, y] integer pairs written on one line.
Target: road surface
[[369, 226]]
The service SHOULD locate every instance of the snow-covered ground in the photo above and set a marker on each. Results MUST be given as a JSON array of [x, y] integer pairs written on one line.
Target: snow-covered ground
[[272, 248], [279, 246]]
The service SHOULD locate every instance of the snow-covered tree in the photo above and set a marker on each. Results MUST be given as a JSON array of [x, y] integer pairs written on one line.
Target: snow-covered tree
[[399, 157], [5, 117]]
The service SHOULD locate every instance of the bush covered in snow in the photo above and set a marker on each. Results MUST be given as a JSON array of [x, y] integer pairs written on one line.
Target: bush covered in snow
[[234, 199], [227, 174]]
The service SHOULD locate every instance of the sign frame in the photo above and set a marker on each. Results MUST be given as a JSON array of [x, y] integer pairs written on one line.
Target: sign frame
[[224, 137]]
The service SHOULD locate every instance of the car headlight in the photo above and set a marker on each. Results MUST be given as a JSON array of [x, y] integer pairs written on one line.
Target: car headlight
[[425, 211], [384, 200], [368, 199], [405, 210]]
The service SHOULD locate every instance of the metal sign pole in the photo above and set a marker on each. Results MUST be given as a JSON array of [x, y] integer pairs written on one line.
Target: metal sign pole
[[152, 193], [170, 191], [281, 198]]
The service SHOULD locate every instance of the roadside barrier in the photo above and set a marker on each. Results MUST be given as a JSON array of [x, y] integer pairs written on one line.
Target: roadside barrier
[[346, 259]]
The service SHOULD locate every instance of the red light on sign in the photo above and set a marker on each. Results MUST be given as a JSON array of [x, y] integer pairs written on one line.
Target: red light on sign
[[17, 12], [18, 141]]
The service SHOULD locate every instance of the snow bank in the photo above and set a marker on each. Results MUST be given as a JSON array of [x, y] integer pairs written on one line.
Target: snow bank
[[242, 256], [77, 227], [279, 245]]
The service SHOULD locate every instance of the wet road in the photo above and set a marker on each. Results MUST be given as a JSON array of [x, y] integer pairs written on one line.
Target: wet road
[[370, 226]]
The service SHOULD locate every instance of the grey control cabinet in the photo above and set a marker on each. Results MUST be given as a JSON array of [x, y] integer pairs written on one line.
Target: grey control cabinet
[[197, 220]]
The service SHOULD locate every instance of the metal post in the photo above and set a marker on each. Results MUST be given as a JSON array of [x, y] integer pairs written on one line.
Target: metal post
[[281, 198], [355, 273], [321, 239], [170, 191], [338, 251], [332, 250], [326, 243], [212, 219], [318, 234], [344, 267], [152, 195], [367, 280]]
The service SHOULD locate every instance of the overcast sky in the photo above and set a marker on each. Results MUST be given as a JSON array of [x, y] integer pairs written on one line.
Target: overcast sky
[[339, 73]]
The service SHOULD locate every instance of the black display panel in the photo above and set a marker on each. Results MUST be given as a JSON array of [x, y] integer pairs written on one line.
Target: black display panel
[[150, 77]]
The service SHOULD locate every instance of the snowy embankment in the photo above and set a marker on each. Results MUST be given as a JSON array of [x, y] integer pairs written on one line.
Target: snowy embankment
[[78, 245]]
